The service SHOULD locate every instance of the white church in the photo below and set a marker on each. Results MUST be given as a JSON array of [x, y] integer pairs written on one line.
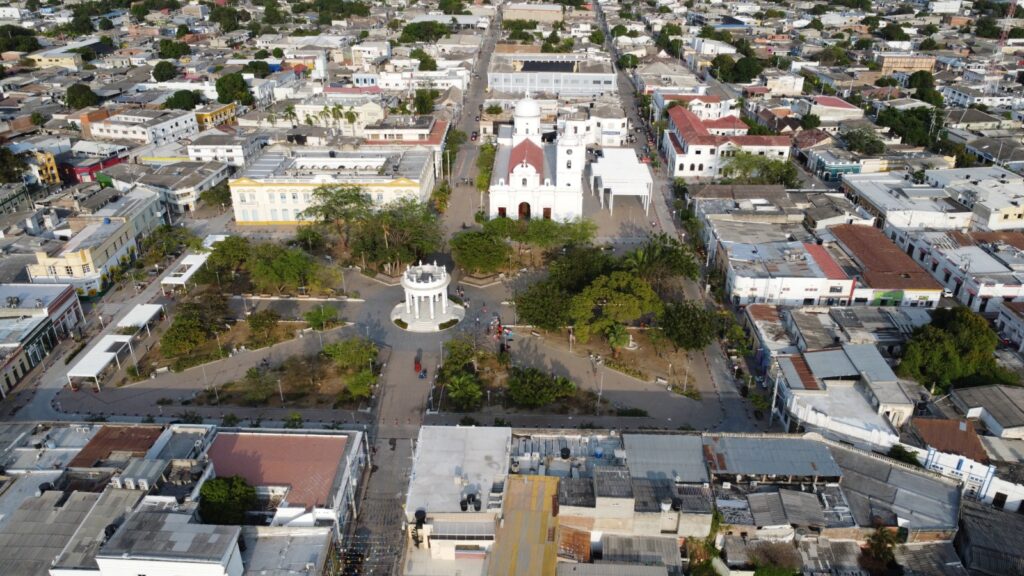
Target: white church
[[533, 178]]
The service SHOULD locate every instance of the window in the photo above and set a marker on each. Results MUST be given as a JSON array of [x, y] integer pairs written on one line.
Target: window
[[835, 290], [284, 197], [295, 196], [568, 164], [524, 182], [68, 271], [86, 268]]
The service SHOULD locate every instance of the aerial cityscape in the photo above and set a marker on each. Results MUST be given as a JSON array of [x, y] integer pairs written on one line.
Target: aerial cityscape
[[511, 288]]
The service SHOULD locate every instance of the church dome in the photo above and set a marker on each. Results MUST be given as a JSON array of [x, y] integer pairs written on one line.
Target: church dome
[[527, 108]]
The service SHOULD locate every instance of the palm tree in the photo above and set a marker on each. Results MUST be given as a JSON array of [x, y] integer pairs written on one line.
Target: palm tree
[[617, 336], [325, 116], [272, 118], [289, 114], [309, 119], [336, 115], [464, 392], [351, 116]]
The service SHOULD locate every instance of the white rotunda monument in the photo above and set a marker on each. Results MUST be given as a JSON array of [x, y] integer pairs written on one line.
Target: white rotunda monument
[[426, 307]]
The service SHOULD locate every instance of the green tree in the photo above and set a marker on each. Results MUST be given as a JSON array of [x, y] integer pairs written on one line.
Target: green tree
[[322, 317], [81, 96], [987, 27], [183, 99], [531, 388], [397, 233], [660, 258], [479, 252], [37, 119], [752, 169], [340, 206], [232, 88], [261, 54], [864, 141], [173, 50], [17, 39], [310, 237], [620, 297], [277, 269], [628, 61], [293, 421], [218, 195], [277, 53], [187, 331], [810, 121], [257, 68], [164, 71], [597, 37], [864, 43], [351, 354], [428, 32], [689, 326], [816, 24], [12, 166], [262, 324], [619, 30], [882, 546], [617, 337], [893, 32], [427, 62], [928, 44], [106, 24], [423, 100], [226, 501], [182, 31], [464, 392], [898, 452]]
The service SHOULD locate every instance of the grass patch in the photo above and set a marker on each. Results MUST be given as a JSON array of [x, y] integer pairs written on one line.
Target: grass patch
[[75, 351], [401, 323], [626, 369], [448, 324]]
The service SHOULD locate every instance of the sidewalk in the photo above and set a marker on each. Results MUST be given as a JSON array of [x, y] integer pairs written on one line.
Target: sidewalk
[[140, 398]]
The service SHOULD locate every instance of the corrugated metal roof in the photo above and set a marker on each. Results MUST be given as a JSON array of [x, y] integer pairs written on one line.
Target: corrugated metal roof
[[672, 457], [770, 456]]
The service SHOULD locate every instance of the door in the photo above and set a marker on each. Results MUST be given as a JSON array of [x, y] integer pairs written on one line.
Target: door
[[524, 211], [999, 501], [547, 213]]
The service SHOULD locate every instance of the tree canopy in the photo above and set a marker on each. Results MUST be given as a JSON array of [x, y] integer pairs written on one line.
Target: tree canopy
[[429, 32], [531, 388], [164, 71], [232, 88], [351, 354], [479, 252], [746, 168], [619, 297], [226, 500], [427, 62], [81, 96], [183, 100], [12, 166], [397, 233], [173, 50], [956, 349]]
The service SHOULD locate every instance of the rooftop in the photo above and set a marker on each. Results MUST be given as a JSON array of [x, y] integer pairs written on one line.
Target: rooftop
[[451, 463], [305, 463], [285, 551], [674, 457], [526, 544], [950, 436], [883, 264], [112, 506], [119, 443], [170, 536], [1004, 404], [772, 456], [40, 529]]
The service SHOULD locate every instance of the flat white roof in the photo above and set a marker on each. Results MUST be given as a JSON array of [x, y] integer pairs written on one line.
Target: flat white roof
[[140, 316], [212, 239], [184, 271], [622, 172], [451, 462], [96, 360]]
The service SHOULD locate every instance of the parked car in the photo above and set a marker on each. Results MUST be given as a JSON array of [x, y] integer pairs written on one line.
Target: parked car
[[474, 136]]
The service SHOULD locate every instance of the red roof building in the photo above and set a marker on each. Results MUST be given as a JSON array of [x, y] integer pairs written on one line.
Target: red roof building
[[526, 152], [694, 151]]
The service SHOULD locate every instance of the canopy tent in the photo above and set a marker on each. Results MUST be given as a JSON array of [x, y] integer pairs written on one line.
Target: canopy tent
[[96, 360], [184, 272], [141, 316], [620, 173]]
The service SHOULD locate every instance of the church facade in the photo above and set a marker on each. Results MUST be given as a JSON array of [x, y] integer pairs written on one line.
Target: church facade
[[534, 178]]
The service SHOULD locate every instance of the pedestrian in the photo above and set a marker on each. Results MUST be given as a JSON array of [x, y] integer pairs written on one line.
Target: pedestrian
[[478, 320]]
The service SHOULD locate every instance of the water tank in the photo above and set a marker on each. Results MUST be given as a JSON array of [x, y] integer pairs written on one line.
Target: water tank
[[463, 505], [421, 517], [599, 452], [477, 505], [106, 220], [566, 453]]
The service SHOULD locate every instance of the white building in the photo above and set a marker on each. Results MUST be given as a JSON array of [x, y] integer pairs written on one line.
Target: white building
[[849, 393], [403, 80], [148, 126], [601, 124], [966, 97], [787, 273], [140, 547], [277, 187], [577, 75], [533, 179], [347, 114], [694, 151], [945, 6], [214, 146], [829, 109]]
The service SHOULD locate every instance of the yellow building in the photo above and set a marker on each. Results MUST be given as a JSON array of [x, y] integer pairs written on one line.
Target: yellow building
[[892, 62], [527, 539], [47, 164], [69, 60], [215, 114]]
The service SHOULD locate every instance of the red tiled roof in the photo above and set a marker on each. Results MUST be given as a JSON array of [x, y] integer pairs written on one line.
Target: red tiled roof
[[824, 261], [731, 122], [693, 131], [884, 265], [306, 463], [1012, 237], [528, 152], [951, 436], [833, 102], [134, 439]]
